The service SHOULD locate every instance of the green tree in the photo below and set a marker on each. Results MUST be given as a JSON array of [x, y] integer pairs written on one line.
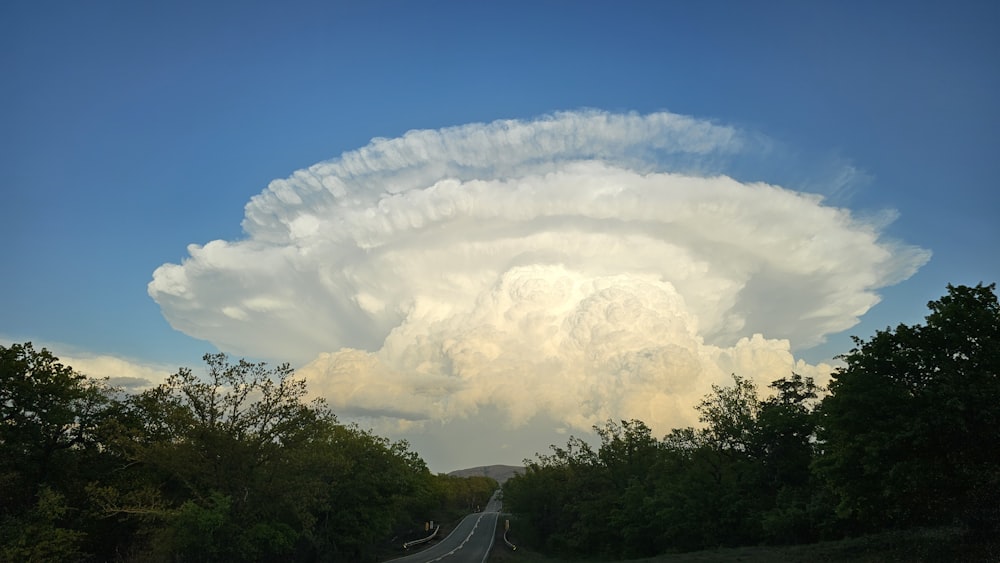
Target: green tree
[[224, 456], [695, 492], [363, 487], [50, 448], [630, 456], [744, 476], [787, 435], [237, 465], [560, 497], [741, 478], [39, 534], [730, 417], [909, 431], [710, 494], [46, 410]]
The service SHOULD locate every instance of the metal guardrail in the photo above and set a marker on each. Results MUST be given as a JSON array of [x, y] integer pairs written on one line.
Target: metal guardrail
[[506, 541], [406, 545]]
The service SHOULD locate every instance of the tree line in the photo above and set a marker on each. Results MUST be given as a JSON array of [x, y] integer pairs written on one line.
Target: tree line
[[233, 467], [907, 435]]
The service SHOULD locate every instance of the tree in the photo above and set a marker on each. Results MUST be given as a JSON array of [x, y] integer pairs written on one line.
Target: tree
[[741, 478], [560, 499], [787, 430], [730, 417], [46, 408], [237, 466], [909, 431], [233, 466], [50, 416], [786, 437], [716, 471], [744, 476], [225, 456]]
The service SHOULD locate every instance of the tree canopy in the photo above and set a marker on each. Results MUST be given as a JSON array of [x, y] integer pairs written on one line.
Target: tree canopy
[[232, 466], [906, 435], [911, 429]]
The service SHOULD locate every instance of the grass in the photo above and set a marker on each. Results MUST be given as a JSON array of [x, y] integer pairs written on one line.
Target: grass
[[911, 546]]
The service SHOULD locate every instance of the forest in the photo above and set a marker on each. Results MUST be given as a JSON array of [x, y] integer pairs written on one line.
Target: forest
[[238, 466], [907, 435], [233, 467]]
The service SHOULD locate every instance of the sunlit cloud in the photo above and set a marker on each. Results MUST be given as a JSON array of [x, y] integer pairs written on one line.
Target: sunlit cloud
[[128, 374], [580, 266]]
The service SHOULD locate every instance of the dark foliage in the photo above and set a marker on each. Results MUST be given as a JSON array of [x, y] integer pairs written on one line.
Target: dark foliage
[[234, 467], [908, 435]]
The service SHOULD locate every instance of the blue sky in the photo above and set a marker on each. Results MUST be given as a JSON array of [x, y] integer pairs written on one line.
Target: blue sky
[[130, 131]]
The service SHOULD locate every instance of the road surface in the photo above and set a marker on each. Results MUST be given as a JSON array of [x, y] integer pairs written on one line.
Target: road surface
[[469, 542]]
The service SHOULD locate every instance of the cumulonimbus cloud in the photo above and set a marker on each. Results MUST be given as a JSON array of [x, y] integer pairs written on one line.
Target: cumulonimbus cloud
[[583, 265]]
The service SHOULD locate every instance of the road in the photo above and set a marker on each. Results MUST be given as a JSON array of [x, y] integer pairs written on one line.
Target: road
[[469, 542]]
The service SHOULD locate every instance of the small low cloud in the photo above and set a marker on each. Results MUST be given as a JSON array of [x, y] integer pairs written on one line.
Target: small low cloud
[[130, 375], [577, 267]]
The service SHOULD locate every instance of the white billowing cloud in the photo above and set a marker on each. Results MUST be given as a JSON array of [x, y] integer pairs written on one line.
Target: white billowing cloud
[[581, 266]]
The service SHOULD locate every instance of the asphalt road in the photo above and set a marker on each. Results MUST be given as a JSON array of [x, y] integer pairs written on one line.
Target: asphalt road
[[469, 542]]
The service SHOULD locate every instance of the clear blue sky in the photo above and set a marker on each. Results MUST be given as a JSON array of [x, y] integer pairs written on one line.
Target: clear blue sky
[[132, 129]]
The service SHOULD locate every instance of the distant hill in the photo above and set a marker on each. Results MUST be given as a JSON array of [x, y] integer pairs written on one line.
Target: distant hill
[[499, 472]]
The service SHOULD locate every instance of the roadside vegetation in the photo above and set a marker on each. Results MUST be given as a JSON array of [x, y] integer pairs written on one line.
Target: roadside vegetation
[[897, 460], [235, 467], [905, 439]]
